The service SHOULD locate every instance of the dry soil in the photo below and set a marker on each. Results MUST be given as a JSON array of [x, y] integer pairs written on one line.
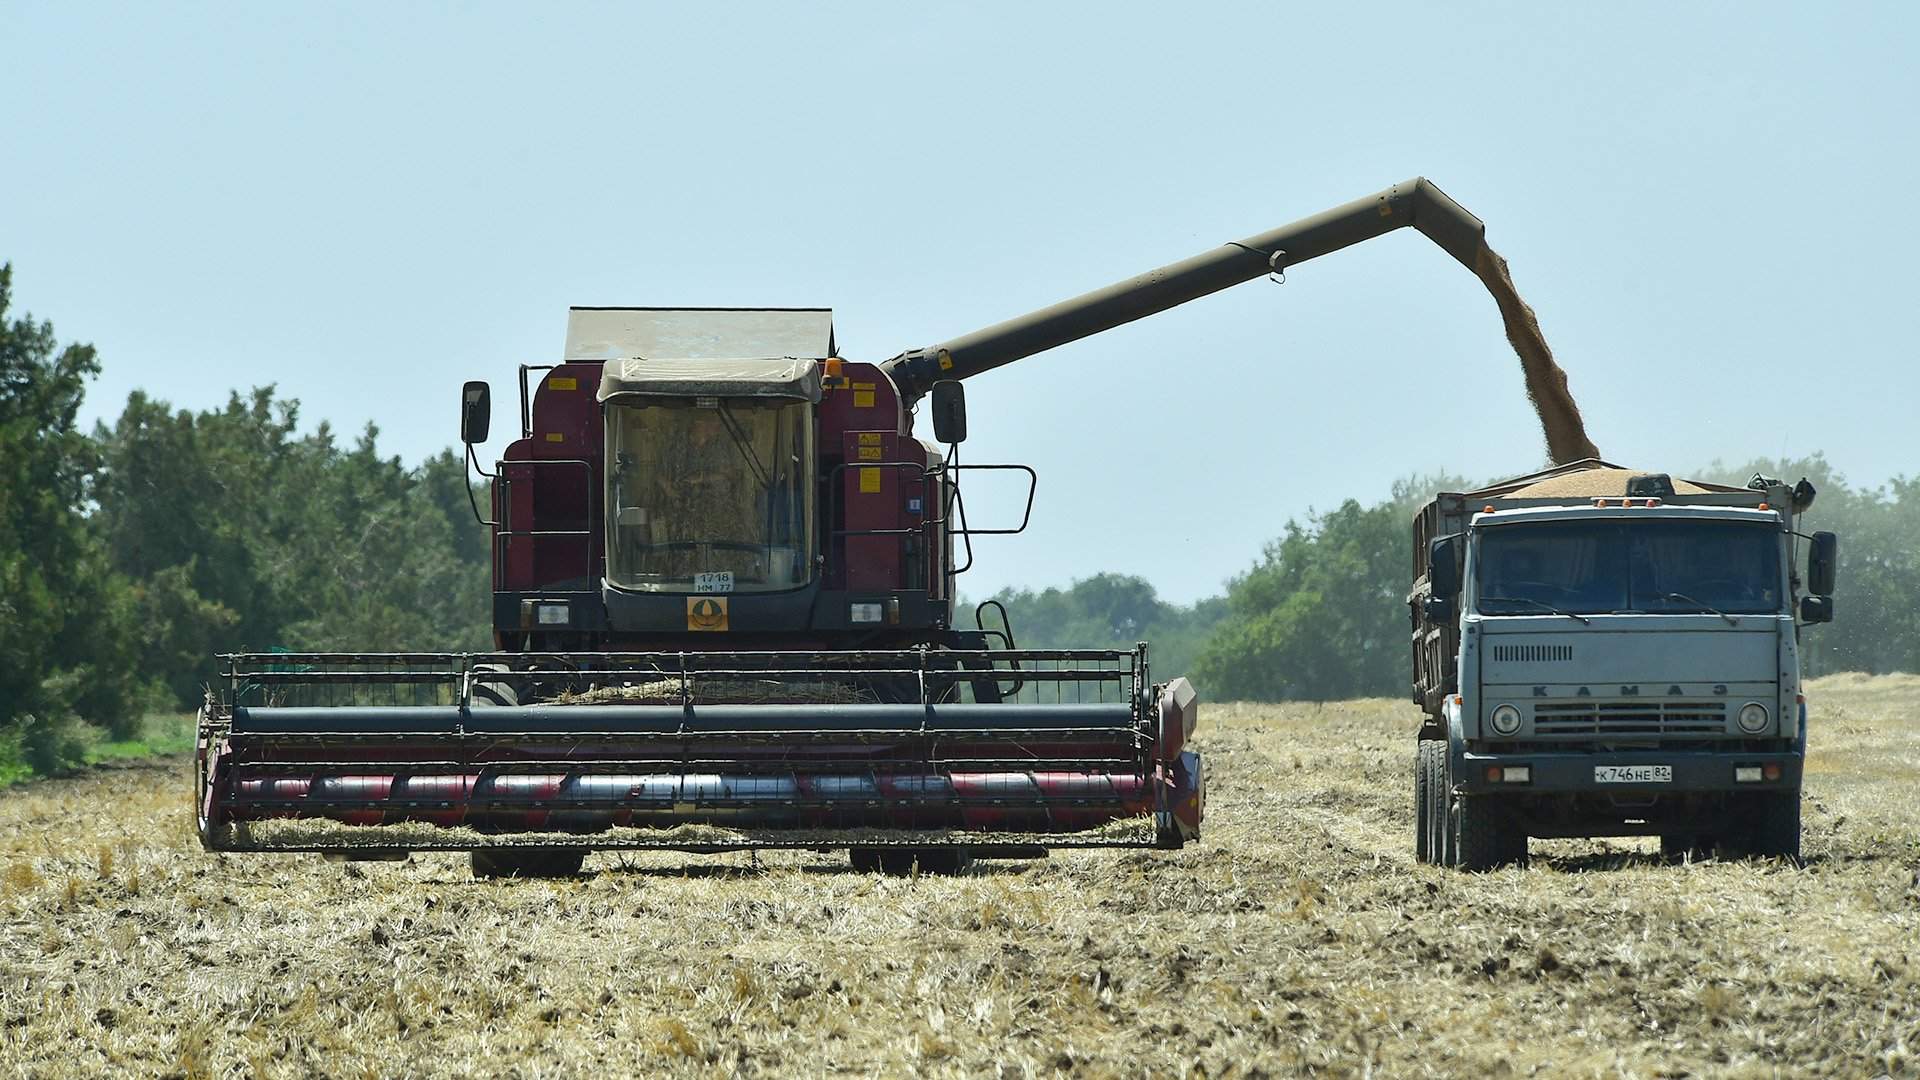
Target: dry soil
[[1298, 936]]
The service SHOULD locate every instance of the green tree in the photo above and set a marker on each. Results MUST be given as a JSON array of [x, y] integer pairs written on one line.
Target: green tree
[[67, 631]]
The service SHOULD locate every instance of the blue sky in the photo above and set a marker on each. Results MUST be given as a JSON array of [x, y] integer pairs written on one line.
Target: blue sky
[[367, 204]]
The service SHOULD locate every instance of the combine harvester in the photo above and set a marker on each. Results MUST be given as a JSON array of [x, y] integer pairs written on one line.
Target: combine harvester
[[724, 612]]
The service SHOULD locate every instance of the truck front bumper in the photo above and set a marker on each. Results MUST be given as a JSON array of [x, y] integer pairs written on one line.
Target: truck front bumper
[[1689, 771]]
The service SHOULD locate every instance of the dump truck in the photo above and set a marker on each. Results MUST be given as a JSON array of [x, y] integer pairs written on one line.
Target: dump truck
[[724, 611], [1604, 652]]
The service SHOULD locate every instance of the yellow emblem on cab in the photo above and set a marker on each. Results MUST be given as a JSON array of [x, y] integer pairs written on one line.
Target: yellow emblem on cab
[[706, 613]]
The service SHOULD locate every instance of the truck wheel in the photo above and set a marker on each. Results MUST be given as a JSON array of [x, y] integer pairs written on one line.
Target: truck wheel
[[1772, 826], [535, 863], [1439, 837], [1480, 835], [899, 862], [1421, 842], [1689, 847]]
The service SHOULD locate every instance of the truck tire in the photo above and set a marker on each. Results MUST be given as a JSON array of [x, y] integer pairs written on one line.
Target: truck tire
[[1685, 846], [1439, 837], [900, 862], [1421, 840], [1771, 827], [1480, 835], [533, 863]]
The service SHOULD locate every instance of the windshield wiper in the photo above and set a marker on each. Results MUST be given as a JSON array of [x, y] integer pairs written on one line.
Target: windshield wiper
[[1685, 599], [745, 446], [1543, 605]]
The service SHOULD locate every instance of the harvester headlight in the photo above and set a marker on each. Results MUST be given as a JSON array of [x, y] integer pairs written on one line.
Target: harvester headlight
[[1505, 719], [551, 614], [1753, 717]]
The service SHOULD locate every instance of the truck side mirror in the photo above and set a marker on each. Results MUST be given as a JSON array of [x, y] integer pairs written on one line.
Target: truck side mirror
[[1443, 566], [949, 412], [1823, 560], [1816, 609], [476, 412]]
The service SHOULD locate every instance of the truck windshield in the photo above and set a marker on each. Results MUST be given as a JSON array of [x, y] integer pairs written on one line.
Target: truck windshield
[[709, 495], [1657, 566]]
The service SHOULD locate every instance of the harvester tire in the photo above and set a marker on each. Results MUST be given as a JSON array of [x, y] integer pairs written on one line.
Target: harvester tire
[[1422, 823], [535, 863], [487, 693], [901, 862]]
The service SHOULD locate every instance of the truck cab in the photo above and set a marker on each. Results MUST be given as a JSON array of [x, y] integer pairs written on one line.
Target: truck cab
[[1620, 665]]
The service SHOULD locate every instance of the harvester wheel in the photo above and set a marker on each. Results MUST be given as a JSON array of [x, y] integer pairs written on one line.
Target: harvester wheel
[[535, 863], [900, 862], [493, 692]]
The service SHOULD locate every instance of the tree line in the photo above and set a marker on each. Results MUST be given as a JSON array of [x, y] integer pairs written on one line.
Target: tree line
[[132, 553], [1322, 614]]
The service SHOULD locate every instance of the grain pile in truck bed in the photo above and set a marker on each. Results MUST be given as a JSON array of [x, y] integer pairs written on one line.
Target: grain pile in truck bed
[[1593, 483]]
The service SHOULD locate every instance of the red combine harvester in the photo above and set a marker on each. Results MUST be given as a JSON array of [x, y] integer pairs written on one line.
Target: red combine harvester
[[724, 619]]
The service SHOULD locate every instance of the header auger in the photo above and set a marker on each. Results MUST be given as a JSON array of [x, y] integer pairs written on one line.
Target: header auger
[[723, 570]]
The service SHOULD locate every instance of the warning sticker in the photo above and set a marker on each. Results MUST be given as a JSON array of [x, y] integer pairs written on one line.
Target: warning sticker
[[870, 453], [563, 382], [863, 399], [554, 436], [706, 613], [869, 438], [869, 481]]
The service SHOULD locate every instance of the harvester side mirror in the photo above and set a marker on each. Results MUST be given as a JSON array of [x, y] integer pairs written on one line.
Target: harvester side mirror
[[1443, 566], [1437, 609], [949, 412], [476, 412], [1823, 559], [1816, 609]]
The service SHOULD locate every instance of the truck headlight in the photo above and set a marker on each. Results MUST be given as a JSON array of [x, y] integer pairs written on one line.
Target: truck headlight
[[1753, 717], [1505, 720]]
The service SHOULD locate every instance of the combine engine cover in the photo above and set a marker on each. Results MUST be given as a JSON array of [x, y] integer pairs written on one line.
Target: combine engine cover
[[1005, 752]]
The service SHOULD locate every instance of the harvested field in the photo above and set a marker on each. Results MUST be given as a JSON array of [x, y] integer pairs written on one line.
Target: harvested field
[[1299, 936]]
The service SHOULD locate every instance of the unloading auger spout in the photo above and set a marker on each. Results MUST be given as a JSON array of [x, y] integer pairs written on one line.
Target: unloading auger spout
[[1417, 203]]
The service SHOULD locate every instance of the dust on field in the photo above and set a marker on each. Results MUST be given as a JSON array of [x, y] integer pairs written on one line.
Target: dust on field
[[1299, 935]]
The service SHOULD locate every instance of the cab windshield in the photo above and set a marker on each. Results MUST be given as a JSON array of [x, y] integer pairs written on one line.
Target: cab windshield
[[1656, 566], [709, 495]]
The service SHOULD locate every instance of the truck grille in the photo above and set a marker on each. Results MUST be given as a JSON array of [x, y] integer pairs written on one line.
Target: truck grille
[[1630, 718], [1532, 654]]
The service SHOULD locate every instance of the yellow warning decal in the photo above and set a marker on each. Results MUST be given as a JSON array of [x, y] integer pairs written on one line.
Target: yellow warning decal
[[869, 438], [870, 453], [863, 386], [706, 613], [946, 360], [554, 436], [869, 481], [563, 382], [863, 399]]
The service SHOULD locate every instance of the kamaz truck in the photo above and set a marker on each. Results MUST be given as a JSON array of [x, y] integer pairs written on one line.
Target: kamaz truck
[[1604, 652]]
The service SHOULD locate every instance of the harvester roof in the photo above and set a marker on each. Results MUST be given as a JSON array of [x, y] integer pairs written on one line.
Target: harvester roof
[[620, 333]]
